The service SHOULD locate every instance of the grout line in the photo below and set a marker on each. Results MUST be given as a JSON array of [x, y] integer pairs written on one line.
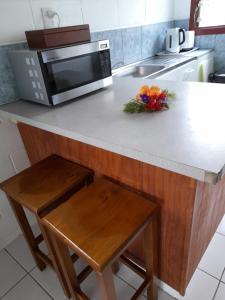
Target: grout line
[[222, 276], [41, 286], [7, 251], [13, 286], [209, 274], [27, 273], [214, 296], [32, 269], [220, 233], [125, 282]]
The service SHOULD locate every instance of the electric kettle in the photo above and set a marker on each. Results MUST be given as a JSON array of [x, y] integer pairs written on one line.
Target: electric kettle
[[175, 38]]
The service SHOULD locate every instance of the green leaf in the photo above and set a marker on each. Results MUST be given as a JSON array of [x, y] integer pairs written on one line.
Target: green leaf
[[134, 107]]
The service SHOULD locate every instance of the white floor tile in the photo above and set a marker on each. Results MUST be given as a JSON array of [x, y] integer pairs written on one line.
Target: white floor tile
[[27, 289], [223, 278], [79, 265], [19, 249], [10, 272], [129, 276], [21, 252], [123, 290], [213, 261], [135, 281], [220, 295], [164, 296], [49, 281], [221, 228], [201, 287]]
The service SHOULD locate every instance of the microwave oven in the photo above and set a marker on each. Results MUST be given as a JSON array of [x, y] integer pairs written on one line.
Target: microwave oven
[[53, 76]]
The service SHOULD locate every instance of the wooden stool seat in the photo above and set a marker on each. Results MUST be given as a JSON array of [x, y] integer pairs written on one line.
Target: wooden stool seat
[[41, 188], [98, 224]]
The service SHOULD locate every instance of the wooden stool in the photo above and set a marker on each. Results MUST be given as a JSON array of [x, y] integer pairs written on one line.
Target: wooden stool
[[40, 189], [98, 224]]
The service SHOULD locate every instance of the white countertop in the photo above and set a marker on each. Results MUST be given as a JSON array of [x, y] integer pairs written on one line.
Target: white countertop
[[188, 139]]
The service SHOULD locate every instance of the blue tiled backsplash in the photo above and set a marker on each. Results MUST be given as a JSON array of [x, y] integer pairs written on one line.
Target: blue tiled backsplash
[[127, 46]]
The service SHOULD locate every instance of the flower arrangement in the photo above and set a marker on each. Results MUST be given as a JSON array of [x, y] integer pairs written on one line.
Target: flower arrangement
[[149, 99]]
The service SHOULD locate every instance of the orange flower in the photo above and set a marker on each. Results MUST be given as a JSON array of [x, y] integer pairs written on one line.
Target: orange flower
[[144, 90], [154, 91]]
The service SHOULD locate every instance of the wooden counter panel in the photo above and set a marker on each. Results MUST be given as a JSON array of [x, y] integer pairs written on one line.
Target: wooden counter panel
[[208, 212], [175, 193]]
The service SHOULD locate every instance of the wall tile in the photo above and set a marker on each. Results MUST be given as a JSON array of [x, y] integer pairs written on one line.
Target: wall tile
[[131, 12], [159, 11], [69, 11], [15, 18], [220, 42], [154, 38], [150, 41], [132, 41], [219, 59], [100, 14], [182, 24], [8, 91], [197, 41], [207, 41], [116, 45]]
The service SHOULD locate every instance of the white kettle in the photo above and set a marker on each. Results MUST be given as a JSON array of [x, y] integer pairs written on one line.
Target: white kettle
[[175, 38]]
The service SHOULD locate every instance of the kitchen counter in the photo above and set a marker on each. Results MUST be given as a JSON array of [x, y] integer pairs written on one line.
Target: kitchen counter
[[187, 139], [176, 157]]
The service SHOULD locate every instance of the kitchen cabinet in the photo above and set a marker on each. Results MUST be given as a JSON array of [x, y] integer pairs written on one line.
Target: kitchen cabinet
[[205, 66], [186, 72], [197, 70]]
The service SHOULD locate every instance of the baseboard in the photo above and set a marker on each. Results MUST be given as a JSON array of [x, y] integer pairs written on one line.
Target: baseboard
[[169, 290]]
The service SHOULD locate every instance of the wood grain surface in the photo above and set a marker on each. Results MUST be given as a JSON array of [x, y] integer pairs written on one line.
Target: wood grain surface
[[182, 200], [42, 184]]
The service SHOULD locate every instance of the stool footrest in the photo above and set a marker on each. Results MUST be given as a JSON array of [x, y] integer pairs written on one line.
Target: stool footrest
[[39, 239], [132, 265], [141, 289], [44, 258], [84, 274], [74, 257], [81, 296]]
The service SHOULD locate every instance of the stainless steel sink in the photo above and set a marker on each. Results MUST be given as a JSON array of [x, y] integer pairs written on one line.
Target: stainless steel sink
[[140, 71], [143, 71], [152, 67]]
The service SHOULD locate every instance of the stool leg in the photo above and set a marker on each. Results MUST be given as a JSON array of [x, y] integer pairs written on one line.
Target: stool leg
[[106, 284], [116, 267], [65, 260], [54, 259], [27, 231], [151, 257]]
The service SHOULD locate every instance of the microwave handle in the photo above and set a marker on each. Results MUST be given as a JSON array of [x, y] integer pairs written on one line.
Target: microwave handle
[[183, 33]]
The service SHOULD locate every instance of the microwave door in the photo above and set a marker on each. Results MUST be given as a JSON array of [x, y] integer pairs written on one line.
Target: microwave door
[[78, 75]]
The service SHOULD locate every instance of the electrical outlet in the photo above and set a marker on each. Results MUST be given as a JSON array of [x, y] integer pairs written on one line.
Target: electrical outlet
[[49, 22]]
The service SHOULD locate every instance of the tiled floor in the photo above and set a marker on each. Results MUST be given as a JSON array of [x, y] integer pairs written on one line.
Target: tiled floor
[[20, 279]]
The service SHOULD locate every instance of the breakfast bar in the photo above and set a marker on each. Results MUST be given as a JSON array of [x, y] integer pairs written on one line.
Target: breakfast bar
[[177, 156]]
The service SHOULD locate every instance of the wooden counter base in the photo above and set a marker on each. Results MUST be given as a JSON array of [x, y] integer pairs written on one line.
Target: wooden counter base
[[190, 210]]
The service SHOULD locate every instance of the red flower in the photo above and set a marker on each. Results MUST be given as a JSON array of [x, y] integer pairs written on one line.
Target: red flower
[[162, 96]]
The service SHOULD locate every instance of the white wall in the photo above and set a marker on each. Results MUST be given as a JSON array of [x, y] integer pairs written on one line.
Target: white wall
[[182, 9], [13, 158], [16, 16]]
